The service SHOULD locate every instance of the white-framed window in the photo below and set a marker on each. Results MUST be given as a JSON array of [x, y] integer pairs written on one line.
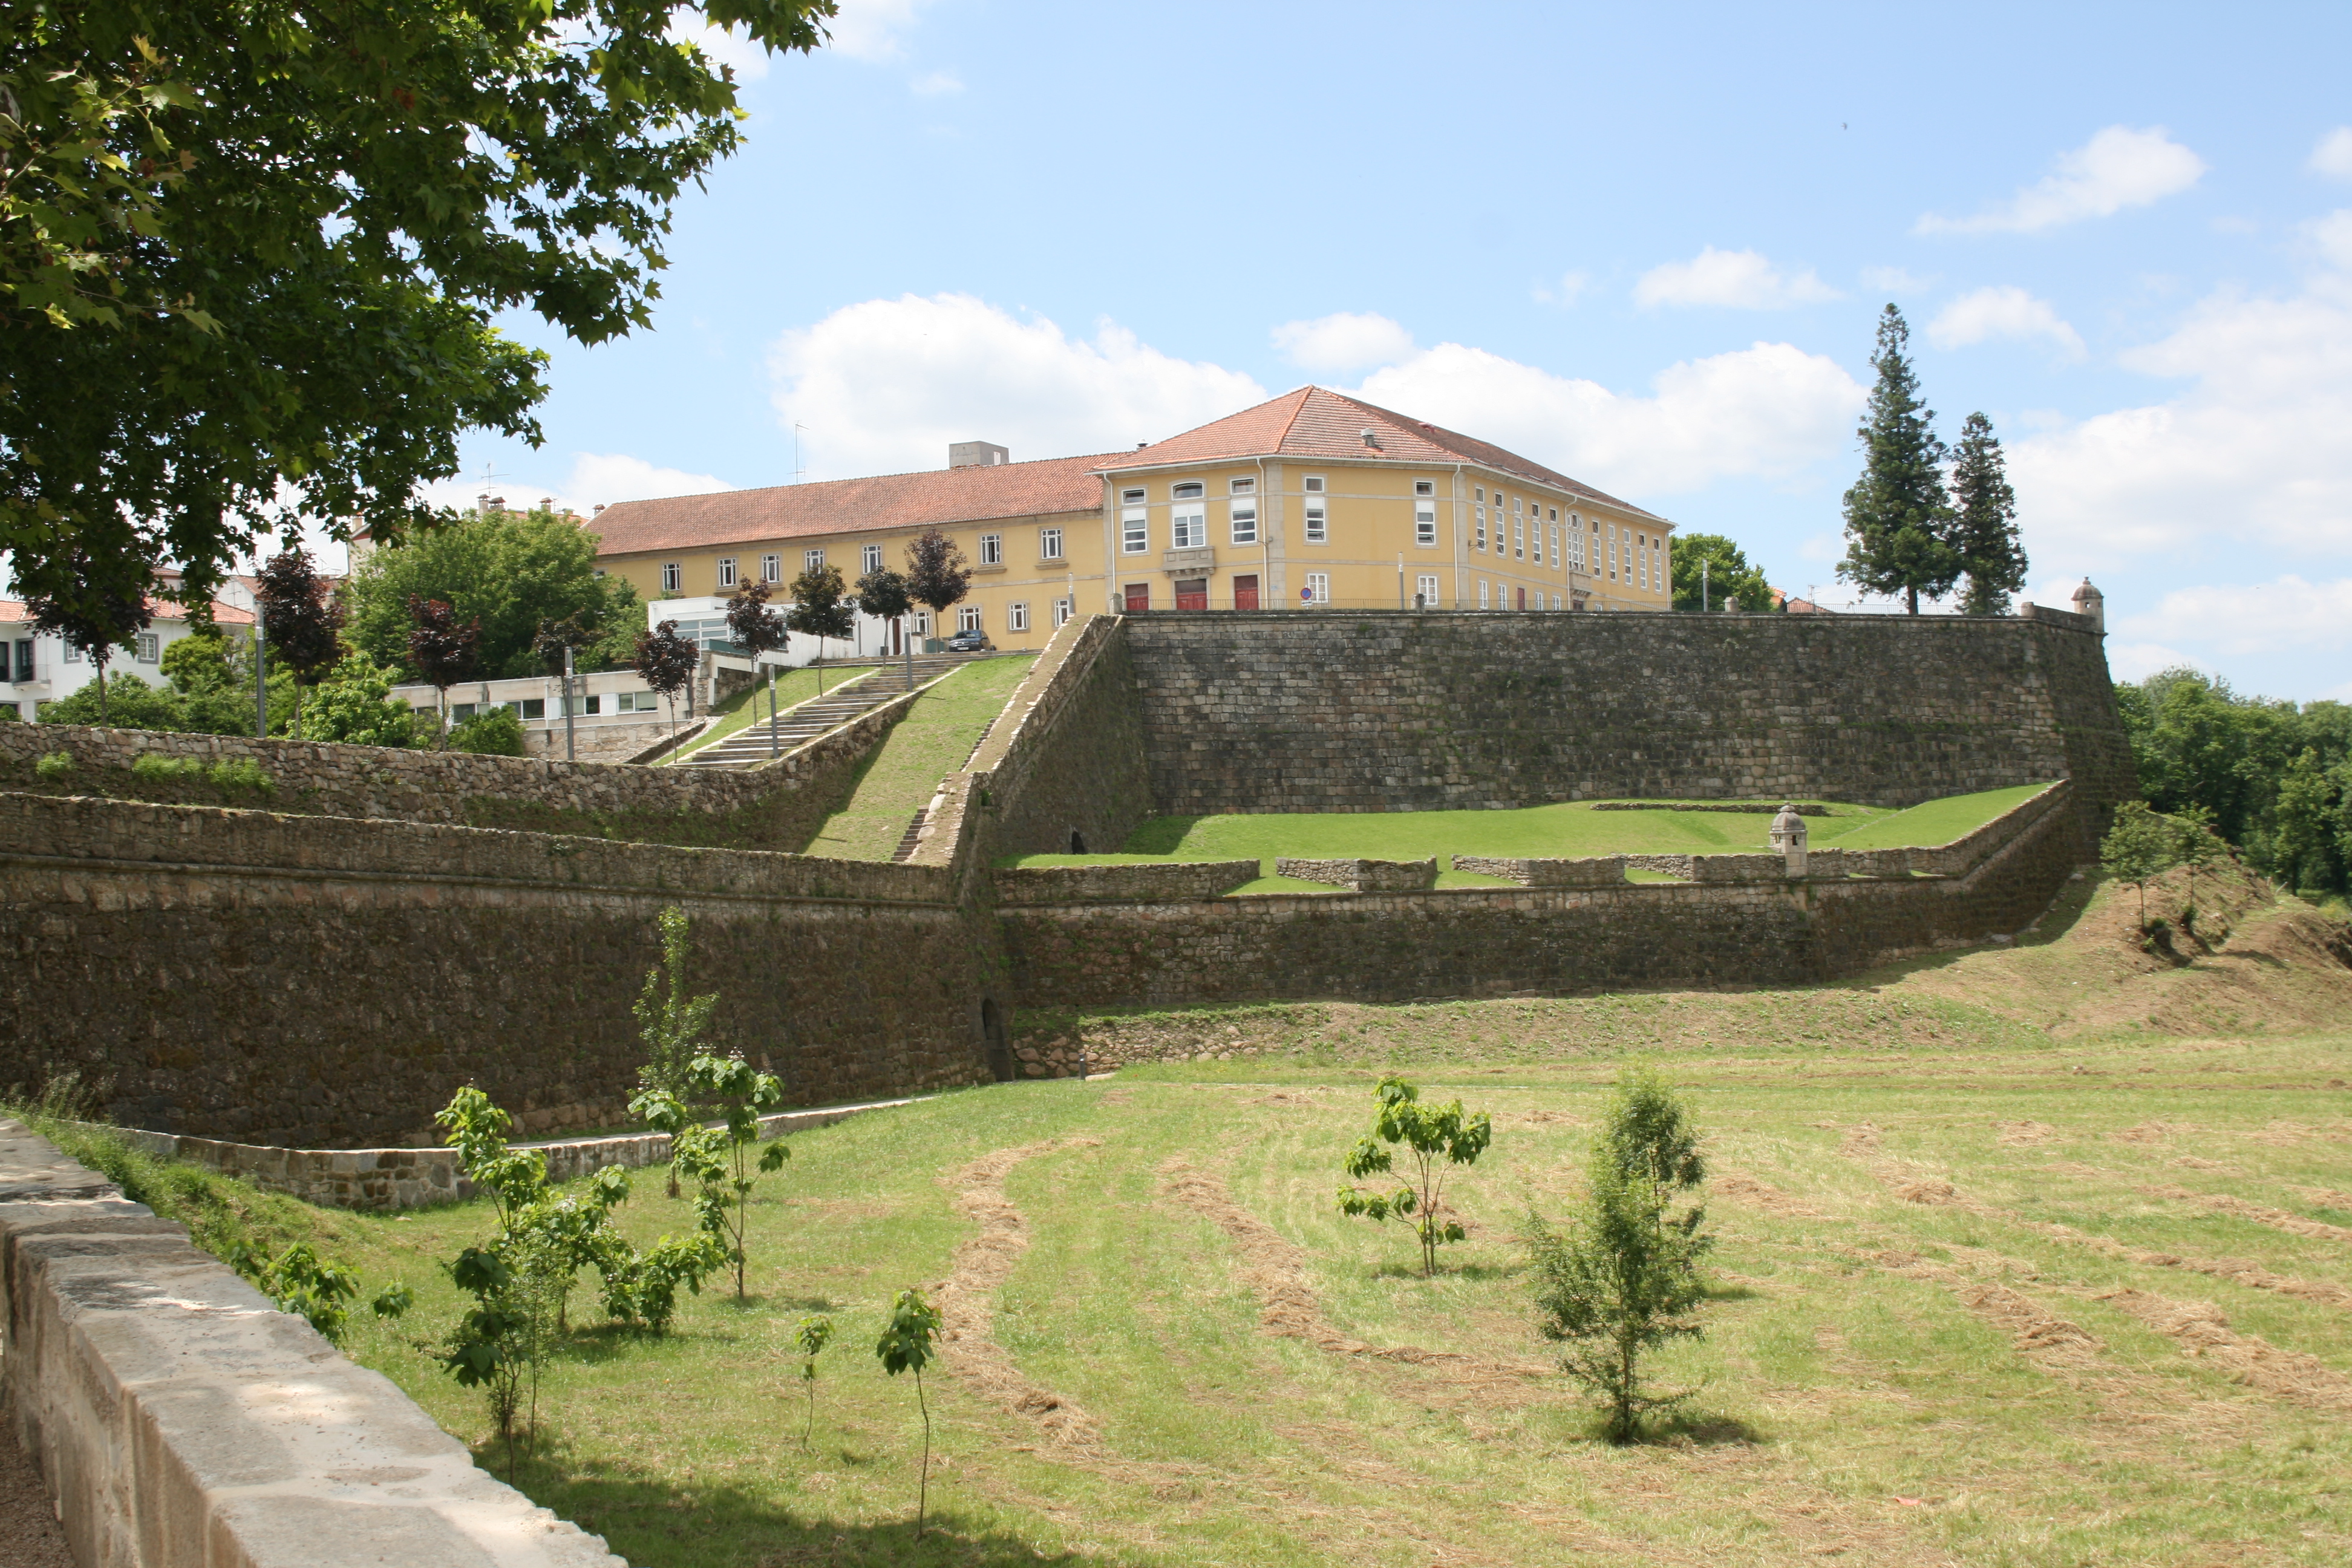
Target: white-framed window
[[1313, 484], [872, 557], [1319, 587], [991, 549], [669, 576], [1134, 523], [1062, 608], [968, 618], [727, 571], [1425, 487], [1242, 510], [1424, 519], [590, 707], [1049, 544], [922, 623], [148, 648], [1518, 533], [811, 559], [1188, 521], [771, 568], [1478, 517], [73, 654], [1612, 552], [1424, 588], [1318, 519], [1555, 544], [1482, 589], [1017, 618]]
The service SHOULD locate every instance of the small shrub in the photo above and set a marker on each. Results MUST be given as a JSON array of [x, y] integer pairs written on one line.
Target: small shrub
[[54, 767], [718, 1160], [495, 733], [811, 1336], [240, 774], [908, 1343], [156, 768], [1438, 1136]]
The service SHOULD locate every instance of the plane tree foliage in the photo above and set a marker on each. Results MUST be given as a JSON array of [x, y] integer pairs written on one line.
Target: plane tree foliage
[[265, 243]]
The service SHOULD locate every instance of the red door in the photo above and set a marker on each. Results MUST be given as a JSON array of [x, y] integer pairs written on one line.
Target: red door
[[1523, 598], [1245, 592], [1138, 598], [1192, 594]]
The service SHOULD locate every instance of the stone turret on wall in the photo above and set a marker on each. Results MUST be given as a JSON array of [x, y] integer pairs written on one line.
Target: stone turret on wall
[[2092, 604]]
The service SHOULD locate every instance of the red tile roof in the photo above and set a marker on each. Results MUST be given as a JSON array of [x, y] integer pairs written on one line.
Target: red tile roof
[[1316, 422], [14, 610], [936, 498]]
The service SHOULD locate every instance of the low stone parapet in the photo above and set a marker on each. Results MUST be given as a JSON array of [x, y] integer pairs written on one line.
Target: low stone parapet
[[179, 1418], [1363, 876], [416, 1178], [1595, 872], [1739, 868], [1157, 882]]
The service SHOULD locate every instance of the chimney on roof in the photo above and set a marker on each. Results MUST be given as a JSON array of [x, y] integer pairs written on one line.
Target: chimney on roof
[[599, 511], [976, 455], [1139, 446], [1372, 438], [547, 503]]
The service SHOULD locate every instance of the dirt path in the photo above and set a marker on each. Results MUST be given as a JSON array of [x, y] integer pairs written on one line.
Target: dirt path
[[981, 1267], [29, 1536]]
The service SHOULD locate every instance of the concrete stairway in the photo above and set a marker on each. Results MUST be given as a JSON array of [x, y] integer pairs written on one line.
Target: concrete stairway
[[805, 722]]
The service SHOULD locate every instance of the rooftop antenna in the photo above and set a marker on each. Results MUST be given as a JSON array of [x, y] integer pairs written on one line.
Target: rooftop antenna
[[490, 476], [797, 469]]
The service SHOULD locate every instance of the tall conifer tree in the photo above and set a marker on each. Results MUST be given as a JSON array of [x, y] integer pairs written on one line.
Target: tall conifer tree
[[1897, 518], [1984, 521]]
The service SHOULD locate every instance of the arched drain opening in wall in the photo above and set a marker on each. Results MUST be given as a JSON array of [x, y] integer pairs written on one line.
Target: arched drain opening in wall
[[1077, 842], [997, 1039]]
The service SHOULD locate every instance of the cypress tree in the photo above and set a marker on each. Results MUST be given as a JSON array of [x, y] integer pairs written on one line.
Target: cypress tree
[[1897, 518], [1984, 527]]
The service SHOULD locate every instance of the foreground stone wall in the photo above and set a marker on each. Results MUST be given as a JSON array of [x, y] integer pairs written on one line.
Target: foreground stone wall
[[179, 1418], [1434, 711], [1397, 947], [323, 981]]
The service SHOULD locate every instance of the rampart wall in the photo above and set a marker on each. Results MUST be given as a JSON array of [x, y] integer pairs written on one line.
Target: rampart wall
[[1747, 929], [1438, 711], [320, 980]]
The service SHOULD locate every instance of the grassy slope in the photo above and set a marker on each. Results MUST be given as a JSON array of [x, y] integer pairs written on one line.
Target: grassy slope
[[932, 740], [1865, 1389], [1929, 823], [793, 686]]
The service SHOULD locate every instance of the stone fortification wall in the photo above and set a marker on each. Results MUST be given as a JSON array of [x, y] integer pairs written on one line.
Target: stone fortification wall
[[1406, 710], [178, 1417], [1169, 882], [1066, 756], [1362, 875], [777, 806], [325, 982], [1594, 871], [1538, 940]]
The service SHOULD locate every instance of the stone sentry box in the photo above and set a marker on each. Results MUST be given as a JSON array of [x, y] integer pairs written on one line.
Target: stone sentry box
[[181, 1420]]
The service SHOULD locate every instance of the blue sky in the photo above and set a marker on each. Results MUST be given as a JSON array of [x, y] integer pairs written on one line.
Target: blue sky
[[1643, 245]]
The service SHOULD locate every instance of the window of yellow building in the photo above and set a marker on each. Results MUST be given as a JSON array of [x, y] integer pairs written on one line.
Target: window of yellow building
[[1243, 509]]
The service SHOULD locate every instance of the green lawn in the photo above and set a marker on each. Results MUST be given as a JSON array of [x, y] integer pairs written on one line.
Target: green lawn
[[1930, 823], [1979, 1295], [935, 738], [793, 686]]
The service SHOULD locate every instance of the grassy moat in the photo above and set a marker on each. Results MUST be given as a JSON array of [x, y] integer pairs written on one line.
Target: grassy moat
[[2029, 1255]]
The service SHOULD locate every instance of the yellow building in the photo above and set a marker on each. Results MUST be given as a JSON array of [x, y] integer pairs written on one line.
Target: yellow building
[[1311, 499]]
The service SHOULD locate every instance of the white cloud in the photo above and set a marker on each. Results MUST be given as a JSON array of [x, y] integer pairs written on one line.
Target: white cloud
[[2334, 153], [872, 30], [885, 385], [2250, 454], [936, 84], [1894, 280], [2117, 168], [2334, 236], [1342, 342], [1567, 291], [596, 478], [1743, 279], [2002, 312], [2139, 660], [1765, 411], [724, 45], [2288, 615]]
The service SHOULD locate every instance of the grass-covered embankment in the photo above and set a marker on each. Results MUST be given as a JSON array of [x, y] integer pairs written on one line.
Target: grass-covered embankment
[[935, 738]]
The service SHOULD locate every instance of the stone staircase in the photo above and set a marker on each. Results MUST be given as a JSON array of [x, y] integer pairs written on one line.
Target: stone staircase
[[805, 722]]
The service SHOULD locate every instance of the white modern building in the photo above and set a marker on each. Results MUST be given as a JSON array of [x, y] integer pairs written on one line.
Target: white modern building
[[41, 669]]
